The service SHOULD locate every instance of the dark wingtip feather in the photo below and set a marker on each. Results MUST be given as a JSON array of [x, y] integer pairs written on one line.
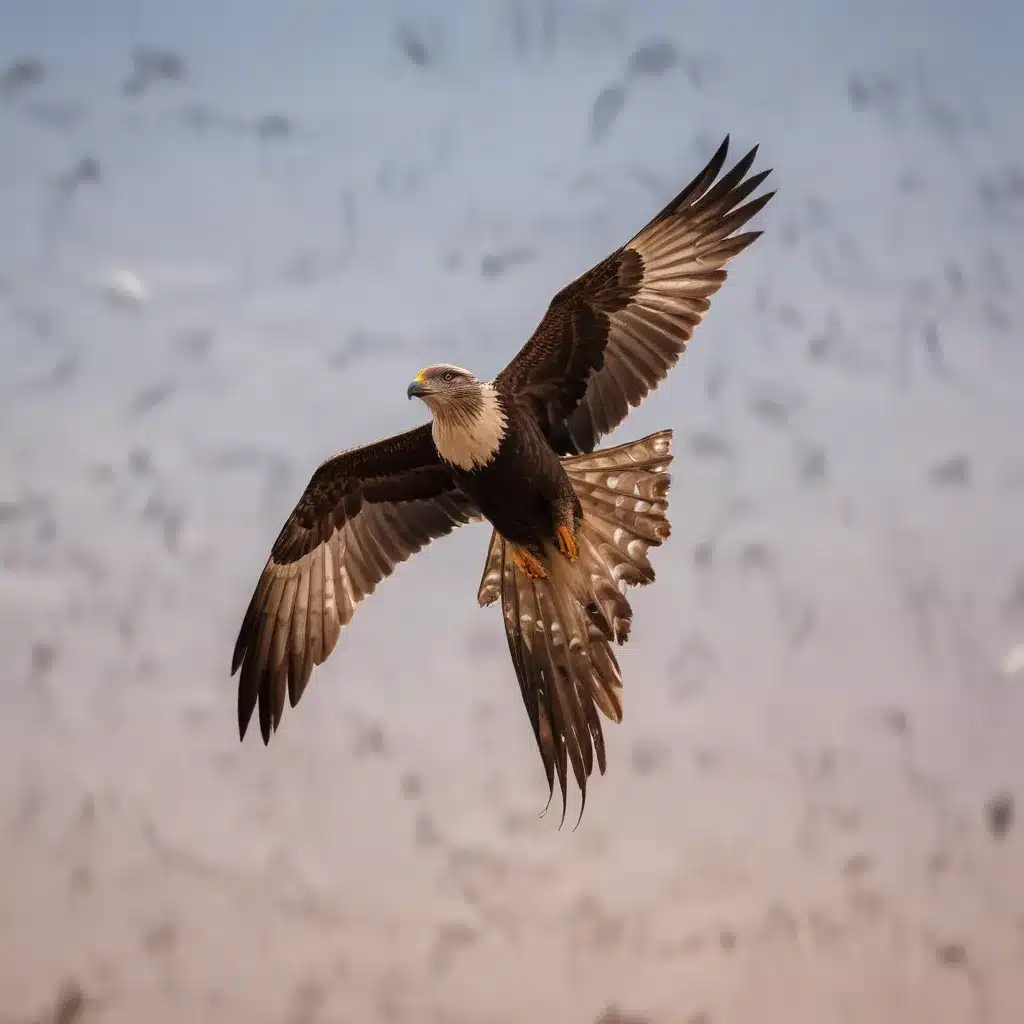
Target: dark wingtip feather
[[726, 184], [241, 642], [583, 804], [753, 182], [737, 218], [551, 796], [755, 205], [549, 774], [707, 187], [245, 709], [264, 703], [707, 174], [277, 684], [744, 164]]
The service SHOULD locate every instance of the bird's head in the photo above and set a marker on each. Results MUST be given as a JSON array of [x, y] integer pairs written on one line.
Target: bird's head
[[469, 419], [446, 388]]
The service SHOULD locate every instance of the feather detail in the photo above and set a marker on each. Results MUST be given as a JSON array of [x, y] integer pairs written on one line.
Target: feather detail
[[560, 629], [611, 336], [363, 512]]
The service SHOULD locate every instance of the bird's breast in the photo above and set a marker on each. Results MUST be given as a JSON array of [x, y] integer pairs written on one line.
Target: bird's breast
[[517, 491]]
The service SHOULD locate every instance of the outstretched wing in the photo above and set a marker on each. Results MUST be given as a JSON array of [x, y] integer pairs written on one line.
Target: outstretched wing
[[363, 512], [611, 336]]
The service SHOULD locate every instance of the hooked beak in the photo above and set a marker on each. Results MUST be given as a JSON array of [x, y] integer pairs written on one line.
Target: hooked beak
[[417, 389]]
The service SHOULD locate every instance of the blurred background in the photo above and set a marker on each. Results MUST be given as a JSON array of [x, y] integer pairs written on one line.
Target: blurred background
[[230, 233]]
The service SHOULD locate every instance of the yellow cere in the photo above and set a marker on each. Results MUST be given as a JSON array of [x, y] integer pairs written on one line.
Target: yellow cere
[[421, 376]]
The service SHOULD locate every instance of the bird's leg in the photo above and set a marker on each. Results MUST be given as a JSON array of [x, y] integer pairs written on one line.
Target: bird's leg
[[567, 531], [567, 542], [527, 563]]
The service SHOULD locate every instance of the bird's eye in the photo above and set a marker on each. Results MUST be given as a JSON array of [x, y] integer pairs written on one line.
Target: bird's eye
[[447, 375]]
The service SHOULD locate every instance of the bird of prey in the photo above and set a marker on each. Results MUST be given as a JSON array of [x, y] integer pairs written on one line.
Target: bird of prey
[[571, 526]]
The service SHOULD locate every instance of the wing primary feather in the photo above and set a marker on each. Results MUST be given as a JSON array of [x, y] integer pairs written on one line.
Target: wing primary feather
[[243, 638], [697, 186], [332, 624], [315, 619], [297, 677], [248, 683], [725, 184], [740, 191], [736, 219], [279, 660], [264, 668]]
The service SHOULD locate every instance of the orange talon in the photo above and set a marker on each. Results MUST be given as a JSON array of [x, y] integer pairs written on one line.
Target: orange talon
[[567, 543], [527, 564]]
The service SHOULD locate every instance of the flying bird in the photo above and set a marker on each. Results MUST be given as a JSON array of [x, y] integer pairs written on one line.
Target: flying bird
[[572, 526]]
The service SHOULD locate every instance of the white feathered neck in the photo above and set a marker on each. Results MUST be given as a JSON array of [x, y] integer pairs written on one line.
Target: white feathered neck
[[468, 434]]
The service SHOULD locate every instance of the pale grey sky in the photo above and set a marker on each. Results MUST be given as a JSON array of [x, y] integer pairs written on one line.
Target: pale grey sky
[[821, 699]]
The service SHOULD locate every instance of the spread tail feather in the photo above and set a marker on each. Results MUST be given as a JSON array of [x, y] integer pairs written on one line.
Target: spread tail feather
[[560, 628]]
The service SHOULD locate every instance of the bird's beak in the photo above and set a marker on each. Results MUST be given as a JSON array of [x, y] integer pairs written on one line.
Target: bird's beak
[[417, 389]]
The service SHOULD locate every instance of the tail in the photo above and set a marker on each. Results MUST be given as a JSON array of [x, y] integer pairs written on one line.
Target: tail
[[560, 629]]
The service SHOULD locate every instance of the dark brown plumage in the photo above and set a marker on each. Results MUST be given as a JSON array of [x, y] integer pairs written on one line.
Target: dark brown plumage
[[572, 526]]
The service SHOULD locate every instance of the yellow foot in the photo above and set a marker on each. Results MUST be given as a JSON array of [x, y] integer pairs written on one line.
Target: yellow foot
[[567, 543], [527, 564]]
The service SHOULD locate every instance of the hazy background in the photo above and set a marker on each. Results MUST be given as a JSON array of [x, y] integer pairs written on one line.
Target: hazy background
[[809, 813]]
